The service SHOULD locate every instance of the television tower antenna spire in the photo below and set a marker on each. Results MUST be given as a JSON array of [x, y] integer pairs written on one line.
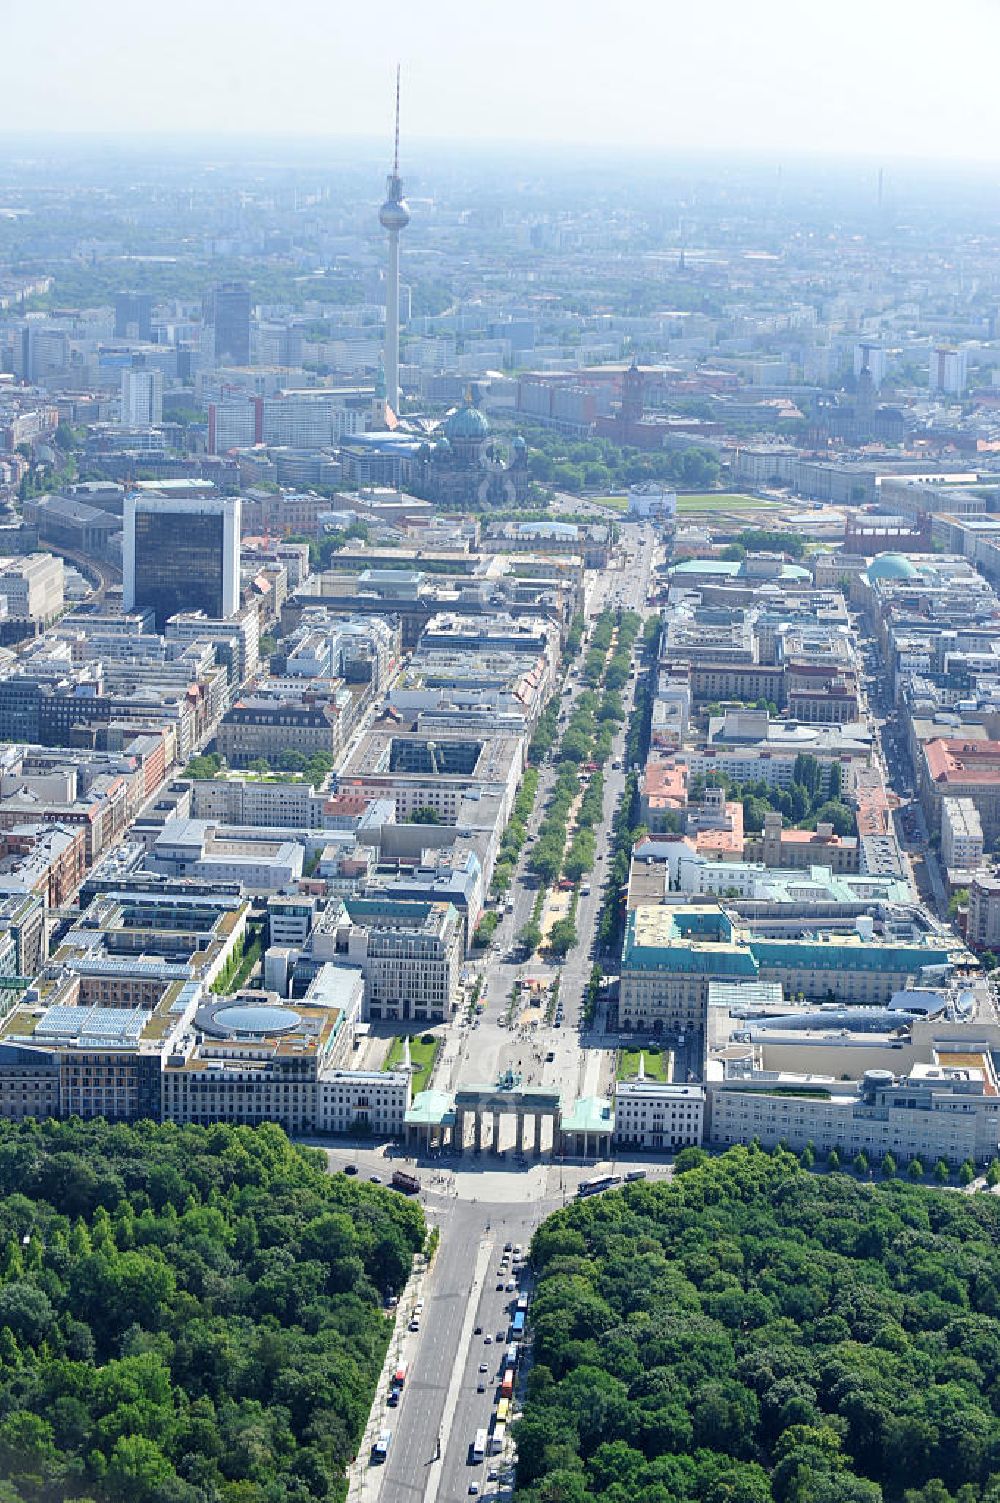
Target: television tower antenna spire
[[395, 159], [394, 215]]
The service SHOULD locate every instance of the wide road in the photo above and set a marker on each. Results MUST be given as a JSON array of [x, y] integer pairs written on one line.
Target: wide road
[[441, 1401], [579, 1066], [482, 1202]]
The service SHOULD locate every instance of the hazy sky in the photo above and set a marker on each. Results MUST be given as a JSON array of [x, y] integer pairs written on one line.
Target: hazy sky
[[879, 77]]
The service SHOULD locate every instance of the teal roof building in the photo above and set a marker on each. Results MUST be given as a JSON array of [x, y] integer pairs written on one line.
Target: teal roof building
[[890, 566], [672, 955]]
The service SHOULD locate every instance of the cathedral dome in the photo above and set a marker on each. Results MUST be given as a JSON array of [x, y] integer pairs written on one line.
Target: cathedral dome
[[466, 422]]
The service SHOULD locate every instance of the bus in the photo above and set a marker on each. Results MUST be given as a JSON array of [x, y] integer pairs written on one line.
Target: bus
[[510, 1355], [479, 1445], [517, 1324], [595, 1186], [507, 1386], [497, 1439], [503, 1411], [409, 1184]]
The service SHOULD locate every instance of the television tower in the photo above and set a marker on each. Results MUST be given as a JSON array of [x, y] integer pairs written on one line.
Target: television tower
[[393, 216]]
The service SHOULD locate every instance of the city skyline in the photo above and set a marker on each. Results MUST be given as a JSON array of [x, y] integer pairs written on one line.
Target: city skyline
[[787, 82]]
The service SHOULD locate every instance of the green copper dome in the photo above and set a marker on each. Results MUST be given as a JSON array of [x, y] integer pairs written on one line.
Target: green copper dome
[[890, 566], [466, 422]]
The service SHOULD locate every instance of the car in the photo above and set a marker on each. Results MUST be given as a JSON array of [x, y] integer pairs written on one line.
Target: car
[[511, 1285], [508, 1247], [483, 1367], [414, 1323], [393, 1398], [418, 1308], [501, 1336], [473, 1489], [492, 1474], [478, 1331], [499, 1286], [375, 1179], [487, 1339], [550, 1056], [480, 1386], [350, 1168]]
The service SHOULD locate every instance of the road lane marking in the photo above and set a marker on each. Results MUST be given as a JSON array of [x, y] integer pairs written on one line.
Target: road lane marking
[[458, 1371]]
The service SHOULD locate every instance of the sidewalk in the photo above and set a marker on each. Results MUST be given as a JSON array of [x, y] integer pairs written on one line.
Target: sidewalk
[[364, 1481]]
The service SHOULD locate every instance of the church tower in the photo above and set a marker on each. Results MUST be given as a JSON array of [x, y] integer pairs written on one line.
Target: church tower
[[632, 398]]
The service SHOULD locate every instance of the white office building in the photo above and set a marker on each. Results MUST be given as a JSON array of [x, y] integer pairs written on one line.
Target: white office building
[[948, 370], [656, 1115], [961, 834], [874, 357], [940, 1110], [142, 399]]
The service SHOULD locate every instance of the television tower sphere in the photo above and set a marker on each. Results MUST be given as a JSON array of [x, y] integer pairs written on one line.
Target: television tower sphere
[[394, 213]]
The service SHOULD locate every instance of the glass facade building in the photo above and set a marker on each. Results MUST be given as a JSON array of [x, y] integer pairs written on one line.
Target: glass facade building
[[181, 555], [232, 324]]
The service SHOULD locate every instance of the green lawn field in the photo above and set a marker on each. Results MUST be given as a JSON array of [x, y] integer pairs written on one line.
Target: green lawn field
[[721, 501], [656, 1063], [422, 1056]]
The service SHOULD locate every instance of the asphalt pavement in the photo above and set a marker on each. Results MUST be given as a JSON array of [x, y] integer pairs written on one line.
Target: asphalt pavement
[[479, 1202]]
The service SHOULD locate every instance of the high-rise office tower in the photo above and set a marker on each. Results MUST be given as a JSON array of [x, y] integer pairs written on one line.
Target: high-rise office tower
[[948, 370], [181, 555], [134, 315], [393, 216], [142, 399], [44, 351], [231, 319]]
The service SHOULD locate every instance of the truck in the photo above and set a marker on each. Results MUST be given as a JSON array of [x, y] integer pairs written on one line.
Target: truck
[[408, 1183], [497, 1438], [380, 1449], [399, 1376], [517, 1325]]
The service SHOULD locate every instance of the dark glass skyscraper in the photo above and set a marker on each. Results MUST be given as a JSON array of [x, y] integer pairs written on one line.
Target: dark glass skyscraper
[[231, 317], [181, 555], [133, 315]]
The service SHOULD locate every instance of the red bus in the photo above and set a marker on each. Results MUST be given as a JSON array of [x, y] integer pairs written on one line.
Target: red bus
[[507, 1386]]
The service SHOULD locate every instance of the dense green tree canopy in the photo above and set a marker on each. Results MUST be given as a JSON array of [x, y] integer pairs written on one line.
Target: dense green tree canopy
[[187, 1315], [753, 1332]]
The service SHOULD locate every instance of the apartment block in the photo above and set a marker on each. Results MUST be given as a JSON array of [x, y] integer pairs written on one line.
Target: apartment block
[[962, 841]]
